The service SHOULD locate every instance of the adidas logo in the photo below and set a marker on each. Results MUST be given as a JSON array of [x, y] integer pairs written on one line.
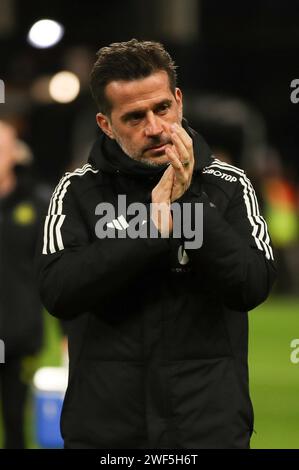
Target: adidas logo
[[120, 223]]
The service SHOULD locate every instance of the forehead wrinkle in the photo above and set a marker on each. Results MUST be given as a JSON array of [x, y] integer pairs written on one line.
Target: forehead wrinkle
[[138, 99], [138, 93]]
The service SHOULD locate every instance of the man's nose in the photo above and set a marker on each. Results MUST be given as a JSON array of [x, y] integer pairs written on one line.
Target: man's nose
[[153, 125]]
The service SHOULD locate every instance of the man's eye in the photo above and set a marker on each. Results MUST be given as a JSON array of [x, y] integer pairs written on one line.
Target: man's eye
[[163, 108], [135, 117]]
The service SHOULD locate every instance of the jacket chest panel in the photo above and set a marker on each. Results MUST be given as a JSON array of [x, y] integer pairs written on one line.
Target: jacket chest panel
[[218, 196]]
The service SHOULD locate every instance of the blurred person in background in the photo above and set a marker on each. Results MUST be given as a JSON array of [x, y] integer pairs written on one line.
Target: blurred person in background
[[21, 324], [281, 207], [158, 331]]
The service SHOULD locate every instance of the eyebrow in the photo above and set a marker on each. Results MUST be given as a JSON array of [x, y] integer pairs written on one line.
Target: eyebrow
[[140, 112]]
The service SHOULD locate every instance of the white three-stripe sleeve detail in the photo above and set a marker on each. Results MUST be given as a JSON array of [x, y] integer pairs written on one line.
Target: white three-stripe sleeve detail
[[257, 222], [46, 235], [263, 235], [58, 232], [55, 196], [52, 230], [51, 233], [60, 200], [254, 221]]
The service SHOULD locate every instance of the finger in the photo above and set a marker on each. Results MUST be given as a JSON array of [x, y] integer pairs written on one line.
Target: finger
[[185, 139], [180, 147], [162, 191], [167, 175], [176, 165], [166, 180], [184, 165], [183, 135]]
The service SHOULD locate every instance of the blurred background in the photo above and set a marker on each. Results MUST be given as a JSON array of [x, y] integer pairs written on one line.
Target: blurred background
[[236, 64]]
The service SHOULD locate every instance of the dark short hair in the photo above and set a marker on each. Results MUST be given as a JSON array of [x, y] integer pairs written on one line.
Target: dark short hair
[[129, 60]]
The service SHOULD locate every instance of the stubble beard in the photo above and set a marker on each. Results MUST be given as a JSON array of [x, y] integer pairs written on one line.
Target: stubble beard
[[137, 156]]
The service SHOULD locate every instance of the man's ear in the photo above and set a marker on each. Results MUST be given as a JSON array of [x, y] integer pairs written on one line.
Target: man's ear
[[179, 100], [178, 95], [104, 124]]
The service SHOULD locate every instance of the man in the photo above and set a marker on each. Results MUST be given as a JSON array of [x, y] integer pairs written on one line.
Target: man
[[158, 336], [21, 206]]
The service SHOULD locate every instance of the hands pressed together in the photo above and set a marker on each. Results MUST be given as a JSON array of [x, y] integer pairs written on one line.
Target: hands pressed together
[[175, 180]]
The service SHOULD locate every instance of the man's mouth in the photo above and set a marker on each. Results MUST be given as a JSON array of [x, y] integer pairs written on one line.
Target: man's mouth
[[158, 149]]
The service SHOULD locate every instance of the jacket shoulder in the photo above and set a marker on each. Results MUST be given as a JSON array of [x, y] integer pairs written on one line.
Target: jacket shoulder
[[223, 172], [72, 182], [84, 171], [80, 177], [223, 178]]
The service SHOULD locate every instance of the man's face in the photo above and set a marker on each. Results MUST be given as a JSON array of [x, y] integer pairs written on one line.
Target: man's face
[[142, 113]]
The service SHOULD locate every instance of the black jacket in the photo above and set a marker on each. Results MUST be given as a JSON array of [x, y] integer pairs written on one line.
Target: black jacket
[[158, 348], [21, 322]]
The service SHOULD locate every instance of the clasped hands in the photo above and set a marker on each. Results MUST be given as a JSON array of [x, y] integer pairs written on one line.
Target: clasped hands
[[175, 180]]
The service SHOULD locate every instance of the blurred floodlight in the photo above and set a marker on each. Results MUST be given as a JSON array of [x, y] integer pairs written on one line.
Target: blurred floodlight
[[45, 33], [64, 87]]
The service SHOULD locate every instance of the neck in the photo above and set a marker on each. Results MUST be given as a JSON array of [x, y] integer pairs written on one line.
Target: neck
[[7, 184]]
